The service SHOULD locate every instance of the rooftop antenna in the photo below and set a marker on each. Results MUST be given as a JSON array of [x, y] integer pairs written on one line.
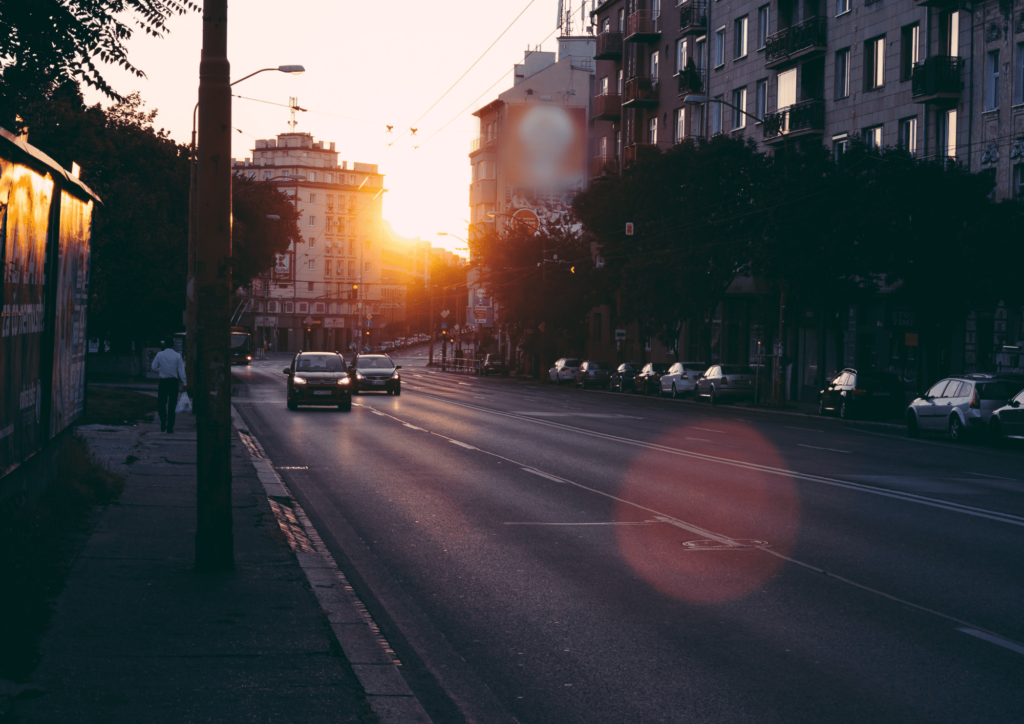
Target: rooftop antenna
[[293, 104]]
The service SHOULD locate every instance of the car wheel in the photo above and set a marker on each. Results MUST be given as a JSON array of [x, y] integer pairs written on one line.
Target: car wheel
[[675, 393], [995, 433], [913, 429], [398, 391], [292, 406], [714, 398], [956, 429], [346, 406]]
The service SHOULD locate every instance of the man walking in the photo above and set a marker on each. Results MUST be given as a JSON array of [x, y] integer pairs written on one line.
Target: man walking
[[171, 368]]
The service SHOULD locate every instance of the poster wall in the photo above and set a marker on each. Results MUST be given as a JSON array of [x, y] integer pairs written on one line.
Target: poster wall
[[545, 162]]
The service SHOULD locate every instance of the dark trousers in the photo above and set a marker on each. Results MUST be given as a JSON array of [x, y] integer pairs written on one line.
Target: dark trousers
[[166, 401]]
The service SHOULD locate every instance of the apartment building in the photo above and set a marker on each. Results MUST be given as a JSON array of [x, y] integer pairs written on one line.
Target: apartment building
[[930, 76], [347, 270]]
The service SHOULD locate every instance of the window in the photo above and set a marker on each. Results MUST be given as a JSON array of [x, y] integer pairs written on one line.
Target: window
[[910, 45], [700, 53], [840, 145], [992, 80], [267, 175], [762, 27], [739, 116], [681, 53], [716, 116], [330, 180], [720, 47], [312, 264], [908, 135], [603, 147], [327, 267], [604, 86], [311, 174], [1018, 76], [309, 287], [652, 131], [312, 198], [1018, 181], [740, 40], [873, 137], [618, 144], [874, 63], [312, 221], [947, 134], [680, 125], [842, 6], [622, 20], [366, 266], [787, 89], [654, 66], [606, 25], [843, 73], [351, 268], [618, 85], [761, 90], [951, 33]]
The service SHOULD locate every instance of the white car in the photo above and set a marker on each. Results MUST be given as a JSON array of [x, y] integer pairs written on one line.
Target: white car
[[681, 378], [564, 370]]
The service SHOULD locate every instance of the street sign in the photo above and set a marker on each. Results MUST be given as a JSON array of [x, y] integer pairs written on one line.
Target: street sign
[[456, 328], [444, 325], [620, 334], [308, 320], [629, 228], [369, 316], [444, 314], [369, 323]]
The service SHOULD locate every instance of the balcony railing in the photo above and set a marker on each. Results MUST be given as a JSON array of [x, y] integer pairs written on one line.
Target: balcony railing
[[795, 42], [693, 17], [801, 118], [609, 46], [936, 79], [692, 81], [643, 26], [641, 92], [483, 142], [607, 106], [631, 152], [604, 166]]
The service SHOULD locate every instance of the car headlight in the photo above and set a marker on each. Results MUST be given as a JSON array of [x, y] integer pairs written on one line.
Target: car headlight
[[298, 380], [344, 381], [395, 376], [359, 376]]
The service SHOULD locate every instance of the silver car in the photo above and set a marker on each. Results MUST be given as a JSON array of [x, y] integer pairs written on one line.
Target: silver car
[[564, 370], [1007, 423], [721, 382], [681, 378], [959, 405]]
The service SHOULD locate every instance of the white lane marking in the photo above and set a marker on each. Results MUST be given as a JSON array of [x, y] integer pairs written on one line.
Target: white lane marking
[[596, 415], [808, 477], [413, 427], [462, 444], [803, 429], [698, 439], [708, 429], [643, 522], [544, 475], [997, 640], [815, 447], [994, 477]]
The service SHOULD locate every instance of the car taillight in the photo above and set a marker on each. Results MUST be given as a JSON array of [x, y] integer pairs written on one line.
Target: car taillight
[[684, 377], [976, 400], [857, 392], [725, 380]]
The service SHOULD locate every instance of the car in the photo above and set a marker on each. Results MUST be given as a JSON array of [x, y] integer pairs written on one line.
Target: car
[[649, 380], [959, 405], [866, 393], [493, 363], [319, 378], [1007, 422], [681, 378], [621, 378], [721, 382], [375, 373], [563, 370], [592, 373]]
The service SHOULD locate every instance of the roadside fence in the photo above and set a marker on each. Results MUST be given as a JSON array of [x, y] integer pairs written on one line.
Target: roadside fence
[[461, 366]]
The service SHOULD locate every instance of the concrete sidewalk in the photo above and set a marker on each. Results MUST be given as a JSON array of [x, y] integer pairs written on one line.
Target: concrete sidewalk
[[139, 636]]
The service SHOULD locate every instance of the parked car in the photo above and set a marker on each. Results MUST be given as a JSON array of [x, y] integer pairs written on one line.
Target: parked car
[[593, 374], [621, 378], [319, 378], [868, 393], [649, 380], [1007, 422], [681, 378], [563, 370], [726, 382], [959, 405], [376, 373], [493, 363]]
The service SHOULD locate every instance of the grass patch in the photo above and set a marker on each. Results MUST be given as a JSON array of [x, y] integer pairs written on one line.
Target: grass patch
[[116, 406], [37, 549]]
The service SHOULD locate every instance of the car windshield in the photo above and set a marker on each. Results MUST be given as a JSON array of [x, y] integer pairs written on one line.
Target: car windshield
[[239, 340], [999, 390], [320, 363], [374, 363], [737, 370]]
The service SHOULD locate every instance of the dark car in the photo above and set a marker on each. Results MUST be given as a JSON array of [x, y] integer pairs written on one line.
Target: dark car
[[592, 373], [1007, 423], [241, 348], [866, 393], [622, 377], [319, 378], [649, 379], [375, 373], [493, 363]]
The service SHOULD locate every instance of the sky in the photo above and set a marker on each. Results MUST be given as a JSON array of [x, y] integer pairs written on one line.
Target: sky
[[369, 65]]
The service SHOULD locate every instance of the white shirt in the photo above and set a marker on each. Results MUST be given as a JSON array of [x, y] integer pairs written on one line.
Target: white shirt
[[170, 365]]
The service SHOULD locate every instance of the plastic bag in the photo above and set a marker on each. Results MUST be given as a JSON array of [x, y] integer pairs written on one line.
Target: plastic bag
[[184, 404]]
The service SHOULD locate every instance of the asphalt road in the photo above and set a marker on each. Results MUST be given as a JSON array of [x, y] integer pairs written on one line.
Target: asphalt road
[[542, 554]]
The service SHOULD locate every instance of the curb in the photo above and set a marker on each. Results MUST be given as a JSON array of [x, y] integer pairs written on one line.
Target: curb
[[371, 657]]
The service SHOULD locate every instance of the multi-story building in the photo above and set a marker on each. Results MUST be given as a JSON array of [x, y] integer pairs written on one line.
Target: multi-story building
[[347, 272]]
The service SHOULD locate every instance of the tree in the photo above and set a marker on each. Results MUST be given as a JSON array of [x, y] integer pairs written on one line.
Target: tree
[[46, 43], [255, 239]]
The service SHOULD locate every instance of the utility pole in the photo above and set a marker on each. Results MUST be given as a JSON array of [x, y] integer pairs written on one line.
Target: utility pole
[[214, 540], [430, 327]]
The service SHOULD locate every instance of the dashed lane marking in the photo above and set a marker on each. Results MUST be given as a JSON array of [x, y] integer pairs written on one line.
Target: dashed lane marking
[[829, 449]]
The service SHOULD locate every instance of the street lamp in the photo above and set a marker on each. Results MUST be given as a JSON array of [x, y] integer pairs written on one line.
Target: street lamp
[[454, 236]]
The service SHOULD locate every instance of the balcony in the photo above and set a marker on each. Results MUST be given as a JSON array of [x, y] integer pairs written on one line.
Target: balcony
[[693, 17], [692, 81], [483, 191], [609, 46], [607, 107], [801, 41], [643, 27], [602, 167], [640, 93], [633, 151], [801, 120], [937, 80], [482, 144]]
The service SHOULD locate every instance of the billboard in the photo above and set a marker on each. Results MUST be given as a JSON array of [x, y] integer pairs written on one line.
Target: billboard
[[283, 267], [545, 162]]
